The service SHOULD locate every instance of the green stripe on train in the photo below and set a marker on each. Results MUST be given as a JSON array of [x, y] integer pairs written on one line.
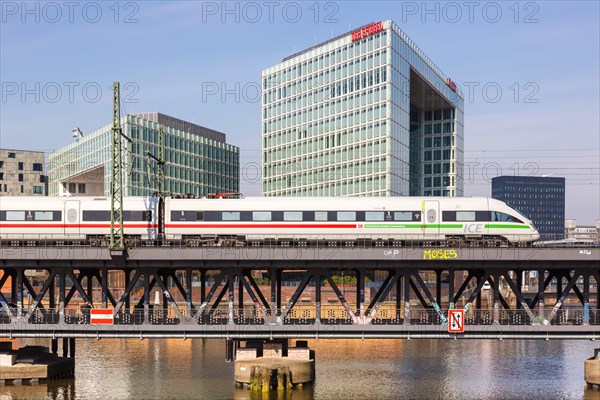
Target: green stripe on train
[[448, 226], [413, 226], [500, 226]]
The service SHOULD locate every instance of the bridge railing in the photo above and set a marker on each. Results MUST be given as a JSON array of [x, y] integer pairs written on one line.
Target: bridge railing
[[292, 241], [249, 315]]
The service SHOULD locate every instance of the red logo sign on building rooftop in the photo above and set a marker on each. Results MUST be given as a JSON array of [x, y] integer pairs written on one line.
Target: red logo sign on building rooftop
[[451, 84], [367, 31]]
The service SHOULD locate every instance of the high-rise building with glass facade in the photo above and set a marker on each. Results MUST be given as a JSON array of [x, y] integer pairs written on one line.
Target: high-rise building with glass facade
[[365, 113], [198, 161], [539, 198]]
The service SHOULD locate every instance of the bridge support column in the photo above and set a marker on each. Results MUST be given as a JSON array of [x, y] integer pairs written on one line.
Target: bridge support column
[[586, 299], [519, 279], [478, 299], [438, 288], [274, 282], [451, 289], [496, 298], [231, 298], [146, 297], [104, 287], [188, 291], [65, 347], [318, 278], [407, 299], [202, 286], [279, 276], [61, 296], [360, 294], [20, 273], [54, 345], [90, 286], [128, 298], [240, 295], [541, 305], [399, 298], [52, 293], [72, 347], [229, 350]]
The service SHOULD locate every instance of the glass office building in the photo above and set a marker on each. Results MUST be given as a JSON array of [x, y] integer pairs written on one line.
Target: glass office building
[[541, 199], [198, 161], [365, 113]]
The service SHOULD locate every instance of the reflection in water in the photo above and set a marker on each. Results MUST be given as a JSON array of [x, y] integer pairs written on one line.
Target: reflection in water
[[345, 369]]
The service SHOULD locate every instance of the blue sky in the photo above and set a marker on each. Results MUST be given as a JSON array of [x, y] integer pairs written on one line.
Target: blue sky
[[529, 72]]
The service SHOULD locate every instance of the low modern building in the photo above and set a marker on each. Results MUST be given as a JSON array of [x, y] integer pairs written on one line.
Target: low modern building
[[198, 160], [541, 199], [22, 173], [366, 113], [582, 232]]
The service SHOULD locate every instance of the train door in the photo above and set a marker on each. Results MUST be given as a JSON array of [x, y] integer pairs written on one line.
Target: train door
[[72, 221], [432, 217]]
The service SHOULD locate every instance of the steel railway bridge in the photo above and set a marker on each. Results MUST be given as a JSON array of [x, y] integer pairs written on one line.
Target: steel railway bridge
[[293, 292]]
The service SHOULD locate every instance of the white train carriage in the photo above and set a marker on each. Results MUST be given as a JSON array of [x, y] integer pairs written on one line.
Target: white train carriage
[[305, 219], [74, 219]]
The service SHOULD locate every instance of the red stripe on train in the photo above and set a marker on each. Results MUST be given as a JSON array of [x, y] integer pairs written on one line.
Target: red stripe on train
[[272, 226], [80, 226]]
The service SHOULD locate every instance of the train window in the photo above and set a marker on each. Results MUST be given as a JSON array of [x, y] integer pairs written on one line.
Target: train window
[[136, 216], [230, 216], [503, 217], [184, 216], [15, 215], [199, 216], [212, 216], [449, 215], [403, 216], [320, 215], [482, 215], [465, 215], [374, 216], [261, 215], [308, 216], [346, 216], [43, 216], [95, 216], [292, 215]]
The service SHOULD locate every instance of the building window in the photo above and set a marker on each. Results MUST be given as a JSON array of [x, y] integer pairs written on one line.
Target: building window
[[38, 190], [72, 188], [20, 166], [82, 188], [20, 177], [1, 164], [42, 178], [12, 155], [37, 167], [1, 176]]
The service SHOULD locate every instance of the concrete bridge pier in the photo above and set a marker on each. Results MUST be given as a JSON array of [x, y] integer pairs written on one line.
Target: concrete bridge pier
[[273, 365], [591, 370]]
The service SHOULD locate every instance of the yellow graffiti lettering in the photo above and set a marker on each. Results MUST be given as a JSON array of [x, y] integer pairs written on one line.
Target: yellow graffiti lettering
[[440, 254]]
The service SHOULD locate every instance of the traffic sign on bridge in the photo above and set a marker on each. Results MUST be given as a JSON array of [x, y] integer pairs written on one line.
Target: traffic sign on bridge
[[101, 316], [456, 321]]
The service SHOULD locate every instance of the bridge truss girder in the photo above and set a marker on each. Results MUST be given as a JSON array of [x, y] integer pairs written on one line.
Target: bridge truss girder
[[277, 296]]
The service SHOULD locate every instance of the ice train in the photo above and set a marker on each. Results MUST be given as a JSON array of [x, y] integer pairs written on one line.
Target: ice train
[[256, 220]]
